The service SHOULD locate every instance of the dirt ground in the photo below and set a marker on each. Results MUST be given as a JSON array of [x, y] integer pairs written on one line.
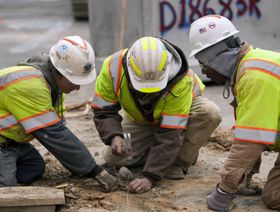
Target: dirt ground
[[84, 195]]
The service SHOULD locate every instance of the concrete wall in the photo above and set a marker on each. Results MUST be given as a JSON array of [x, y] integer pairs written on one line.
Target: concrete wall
[[257, 20], [114, 25]]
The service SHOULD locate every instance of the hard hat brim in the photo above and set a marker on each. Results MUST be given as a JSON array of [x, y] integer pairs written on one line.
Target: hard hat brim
[[195, 51], [84, 80]]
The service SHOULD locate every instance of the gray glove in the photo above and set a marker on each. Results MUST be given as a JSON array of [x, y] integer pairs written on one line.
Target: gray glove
[[220, 201]]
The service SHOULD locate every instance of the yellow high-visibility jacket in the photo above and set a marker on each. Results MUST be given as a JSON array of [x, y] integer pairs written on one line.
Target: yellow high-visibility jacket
[[171, 110], [257, 91], [25, 103]]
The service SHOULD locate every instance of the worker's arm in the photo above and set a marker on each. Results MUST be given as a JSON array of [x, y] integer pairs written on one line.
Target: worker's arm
[[106, 107], [108, 123], [168, 143], [169, 136], [68, 149]]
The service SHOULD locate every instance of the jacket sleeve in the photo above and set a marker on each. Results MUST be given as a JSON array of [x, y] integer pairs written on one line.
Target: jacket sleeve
[[108, 123], [168, 143], [67, 148], [169, 137], [106, 107]]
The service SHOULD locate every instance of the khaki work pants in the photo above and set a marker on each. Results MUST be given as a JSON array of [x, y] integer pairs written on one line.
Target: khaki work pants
[[203, 120], [271, 190], [243, 158]]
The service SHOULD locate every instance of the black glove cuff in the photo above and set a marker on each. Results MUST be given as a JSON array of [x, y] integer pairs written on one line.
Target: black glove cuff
[[151, 176], [95, 171]]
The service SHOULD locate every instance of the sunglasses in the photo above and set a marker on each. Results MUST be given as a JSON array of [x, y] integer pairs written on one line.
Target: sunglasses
[[203, 67]]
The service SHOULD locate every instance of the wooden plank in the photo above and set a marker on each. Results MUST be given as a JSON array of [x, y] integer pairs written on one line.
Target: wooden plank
[[30, 196], [49, 208]]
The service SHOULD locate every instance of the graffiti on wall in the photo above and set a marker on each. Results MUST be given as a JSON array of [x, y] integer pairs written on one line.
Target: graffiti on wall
[[190, 10]]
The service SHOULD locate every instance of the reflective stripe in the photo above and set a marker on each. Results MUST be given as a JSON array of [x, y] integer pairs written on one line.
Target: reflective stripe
[[196, 90], [134, 66], [145, 45], [7, 121], [150, 90], [177, 122], [163, 61], [115, 67], [13, 77], [99, 102], [153, 43], [39, 121], [261, 65], [255, 135], [77, 44]]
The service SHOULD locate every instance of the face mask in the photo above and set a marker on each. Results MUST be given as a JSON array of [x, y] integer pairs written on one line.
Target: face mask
[[220, 58], [225, 62]]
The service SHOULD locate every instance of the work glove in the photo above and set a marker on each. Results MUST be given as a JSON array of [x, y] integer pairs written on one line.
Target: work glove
[[248, 189], [140, 185], [118, 145], [219, 200], [107, 182]]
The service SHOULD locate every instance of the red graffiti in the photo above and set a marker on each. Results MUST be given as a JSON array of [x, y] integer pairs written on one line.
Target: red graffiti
[[190, 10], [165, 5], [226, 11], [195, 13]]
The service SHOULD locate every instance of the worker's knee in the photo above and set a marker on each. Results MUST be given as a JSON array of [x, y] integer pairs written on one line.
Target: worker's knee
[[213, 113], [31, 174], [205, 111], [271, 199]]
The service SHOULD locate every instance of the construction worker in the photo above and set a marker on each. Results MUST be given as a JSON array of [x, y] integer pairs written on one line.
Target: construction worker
[[162, 110], [253, 75], [31, 106]]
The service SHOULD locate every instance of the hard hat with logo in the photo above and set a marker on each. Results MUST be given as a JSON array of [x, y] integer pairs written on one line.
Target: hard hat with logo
[[209, 30], [74, 58], [147, 62]]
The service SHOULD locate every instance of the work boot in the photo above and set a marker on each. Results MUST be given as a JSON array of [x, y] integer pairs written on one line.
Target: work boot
[[175, 172], [107, 182]]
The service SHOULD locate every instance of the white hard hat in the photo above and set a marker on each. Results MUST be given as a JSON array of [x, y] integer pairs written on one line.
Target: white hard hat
[[147, 62], [74, 58], [209, 30]]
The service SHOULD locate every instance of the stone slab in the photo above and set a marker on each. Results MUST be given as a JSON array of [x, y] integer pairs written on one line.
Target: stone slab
[[30, 196]]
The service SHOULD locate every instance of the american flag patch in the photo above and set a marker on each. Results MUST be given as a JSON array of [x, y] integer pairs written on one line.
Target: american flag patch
[[202, 30]]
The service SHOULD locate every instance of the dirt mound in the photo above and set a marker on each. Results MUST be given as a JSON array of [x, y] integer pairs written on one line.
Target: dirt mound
[[221, 139]]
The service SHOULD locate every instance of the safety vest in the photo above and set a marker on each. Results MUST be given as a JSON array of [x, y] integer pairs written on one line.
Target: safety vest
[[171, 110], [257, 91], [25, 103]]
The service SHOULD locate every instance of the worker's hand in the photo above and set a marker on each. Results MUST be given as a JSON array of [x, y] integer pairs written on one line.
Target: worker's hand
[[118, 145], [247, 188], [139, 186]]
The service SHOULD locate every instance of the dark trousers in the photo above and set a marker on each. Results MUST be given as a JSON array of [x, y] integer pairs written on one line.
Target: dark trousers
[[20, 163]]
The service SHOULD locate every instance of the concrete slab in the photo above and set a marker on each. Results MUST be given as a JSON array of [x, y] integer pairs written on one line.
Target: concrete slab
[[30, 198]]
